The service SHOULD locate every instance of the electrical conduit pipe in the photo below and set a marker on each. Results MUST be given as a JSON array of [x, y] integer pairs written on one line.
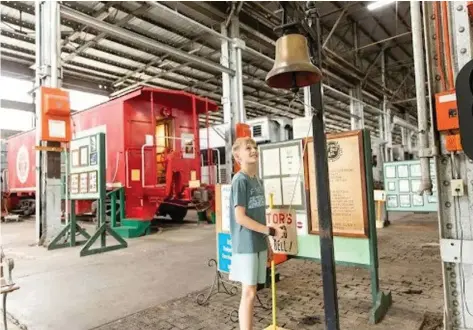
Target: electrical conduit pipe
[[418, 49]]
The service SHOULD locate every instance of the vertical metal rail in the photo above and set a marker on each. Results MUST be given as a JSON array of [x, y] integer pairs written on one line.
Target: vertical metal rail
[[196, 145], [323, 196], [417, 45], [209, 152], [155, 143], [38, 154]]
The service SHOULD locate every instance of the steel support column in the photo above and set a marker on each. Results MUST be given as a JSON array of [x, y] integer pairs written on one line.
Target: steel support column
[[234, 112], [48, 164], [236, 64], [323, 192], [356, 108], [455, 223], [386, 117], [228, 118], [422, 114], [307, 103]]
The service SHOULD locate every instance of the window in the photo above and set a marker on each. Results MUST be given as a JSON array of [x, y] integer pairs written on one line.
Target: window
[[257, 131]]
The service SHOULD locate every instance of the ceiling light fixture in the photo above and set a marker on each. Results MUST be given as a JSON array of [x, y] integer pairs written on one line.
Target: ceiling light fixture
[[379, 4]]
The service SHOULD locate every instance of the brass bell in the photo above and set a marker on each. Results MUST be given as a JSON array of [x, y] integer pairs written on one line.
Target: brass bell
[[292, 67]]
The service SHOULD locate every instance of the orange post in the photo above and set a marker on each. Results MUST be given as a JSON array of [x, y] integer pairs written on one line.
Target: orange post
[[56, 115], [241, 130]]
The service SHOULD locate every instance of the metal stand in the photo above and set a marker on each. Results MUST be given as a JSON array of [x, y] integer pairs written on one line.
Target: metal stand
[[102, 233], [6, 285], [218, 283], [69, 232]]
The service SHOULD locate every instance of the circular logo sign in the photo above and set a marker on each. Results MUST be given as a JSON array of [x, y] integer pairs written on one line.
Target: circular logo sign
[[334, 151], [22, 164]]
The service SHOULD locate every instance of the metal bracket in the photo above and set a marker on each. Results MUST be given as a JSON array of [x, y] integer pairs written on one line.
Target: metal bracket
[[425, 153], [450, 251], [239, 43]]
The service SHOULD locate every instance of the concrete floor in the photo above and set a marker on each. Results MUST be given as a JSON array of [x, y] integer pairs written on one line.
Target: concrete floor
[[152, 284], [61, 290]]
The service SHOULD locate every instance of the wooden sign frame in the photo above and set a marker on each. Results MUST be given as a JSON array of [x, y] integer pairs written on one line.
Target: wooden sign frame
[[361, 184]]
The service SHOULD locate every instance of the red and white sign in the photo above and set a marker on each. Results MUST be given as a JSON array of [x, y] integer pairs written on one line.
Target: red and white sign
[[22, 164], [285, 220]]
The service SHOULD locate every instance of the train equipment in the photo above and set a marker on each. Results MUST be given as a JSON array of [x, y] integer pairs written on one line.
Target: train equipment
[[152, 151], [263, 130]]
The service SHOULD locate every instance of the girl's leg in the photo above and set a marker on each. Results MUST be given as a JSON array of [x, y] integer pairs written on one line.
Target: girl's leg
[[245, 313]]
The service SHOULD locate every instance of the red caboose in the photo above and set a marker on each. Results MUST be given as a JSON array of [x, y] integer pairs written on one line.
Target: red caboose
[[152, 143]]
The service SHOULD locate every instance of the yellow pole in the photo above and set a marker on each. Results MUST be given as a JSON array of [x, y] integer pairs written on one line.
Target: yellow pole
[[273, 282], [273, 289]]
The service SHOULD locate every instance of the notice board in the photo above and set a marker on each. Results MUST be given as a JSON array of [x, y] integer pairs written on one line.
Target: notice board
[[401, 183], [281, 168], [347, 180]]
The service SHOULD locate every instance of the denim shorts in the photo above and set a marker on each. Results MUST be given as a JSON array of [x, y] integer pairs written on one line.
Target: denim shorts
[[249, 268]]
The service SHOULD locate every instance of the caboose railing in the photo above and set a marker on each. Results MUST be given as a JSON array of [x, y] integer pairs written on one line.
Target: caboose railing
[[113, 212]]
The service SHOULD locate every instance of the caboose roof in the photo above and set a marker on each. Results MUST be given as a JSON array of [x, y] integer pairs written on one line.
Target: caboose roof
[[171, 98]]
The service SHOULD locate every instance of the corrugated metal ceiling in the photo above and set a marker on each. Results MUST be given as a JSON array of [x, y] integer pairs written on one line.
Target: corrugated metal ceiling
[[122, 63]]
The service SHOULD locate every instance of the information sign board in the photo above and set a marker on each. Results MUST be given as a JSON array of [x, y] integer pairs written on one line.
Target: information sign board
[[86, 177], [282, 172], [401, 181], [224, 252], [225, 204], [347, 179]]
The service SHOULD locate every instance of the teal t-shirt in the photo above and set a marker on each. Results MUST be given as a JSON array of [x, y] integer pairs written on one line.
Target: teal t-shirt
[[249, 193]]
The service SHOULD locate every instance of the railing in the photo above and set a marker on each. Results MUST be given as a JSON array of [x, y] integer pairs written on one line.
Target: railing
[[113, 212]]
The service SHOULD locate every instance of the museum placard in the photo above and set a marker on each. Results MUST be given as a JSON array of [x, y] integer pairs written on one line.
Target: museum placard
[[347, 181]]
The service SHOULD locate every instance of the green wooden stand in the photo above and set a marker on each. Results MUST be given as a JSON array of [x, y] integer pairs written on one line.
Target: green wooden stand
[[381, 301], [104, 228], [68, 233]]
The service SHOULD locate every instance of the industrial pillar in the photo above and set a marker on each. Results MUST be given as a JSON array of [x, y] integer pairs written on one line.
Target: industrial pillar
[[238, 104], [455, 223], [307, 102], [356, 108], [232, 100], [48, 164], [422, 115], [228, 119]]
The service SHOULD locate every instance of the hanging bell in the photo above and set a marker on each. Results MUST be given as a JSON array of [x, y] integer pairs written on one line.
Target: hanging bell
[[292, 67]]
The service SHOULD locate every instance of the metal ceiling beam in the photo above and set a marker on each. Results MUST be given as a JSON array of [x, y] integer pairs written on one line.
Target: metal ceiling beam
[[18, 105], [6, 133], [365, 32], [103, 35], [382, 41], [23, 71], [145, 42], [334, 27], [180, 16]]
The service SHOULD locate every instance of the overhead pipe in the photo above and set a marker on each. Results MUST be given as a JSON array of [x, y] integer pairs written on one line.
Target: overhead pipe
[[403, 123], [135, 38], [418, 49]]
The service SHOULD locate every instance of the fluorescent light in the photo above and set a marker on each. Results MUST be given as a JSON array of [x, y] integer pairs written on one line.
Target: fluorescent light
[[379, 4]]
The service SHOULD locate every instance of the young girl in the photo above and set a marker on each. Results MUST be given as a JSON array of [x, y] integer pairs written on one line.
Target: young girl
[[248, 228]]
